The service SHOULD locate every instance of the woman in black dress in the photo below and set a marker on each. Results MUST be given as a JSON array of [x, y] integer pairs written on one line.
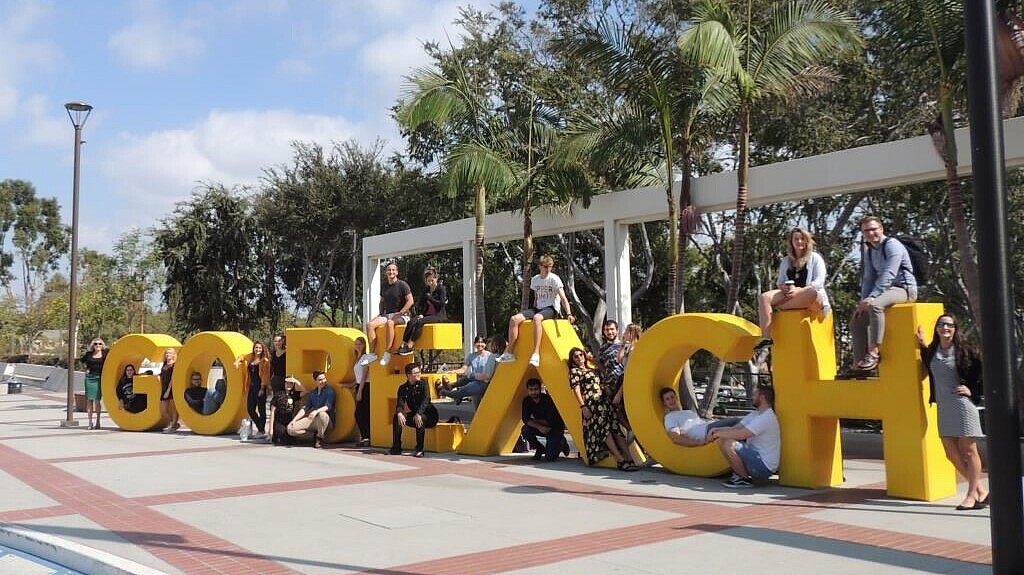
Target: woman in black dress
[[167, 407], [598, 435]]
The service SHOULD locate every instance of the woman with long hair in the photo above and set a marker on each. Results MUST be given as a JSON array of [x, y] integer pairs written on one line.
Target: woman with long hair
[[167, 408], [256, 380], [278, 362], [361, 388], [598, 435], [93, 361], [801, 283], [431, 307], [127, 399], [954, 379]]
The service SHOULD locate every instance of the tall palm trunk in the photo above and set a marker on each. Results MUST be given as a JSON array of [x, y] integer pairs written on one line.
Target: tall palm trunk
[[687, 225], [732, 299], [944, 139], [478, 273], [527, 255], [672, 299], [742, 171]]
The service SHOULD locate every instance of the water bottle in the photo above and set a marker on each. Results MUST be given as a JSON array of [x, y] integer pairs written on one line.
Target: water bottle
[[245, 430]]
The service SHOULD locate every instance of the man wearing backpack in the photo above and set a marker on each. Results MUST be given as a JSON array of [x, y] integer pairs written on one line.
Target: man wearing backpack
[[888, 279]]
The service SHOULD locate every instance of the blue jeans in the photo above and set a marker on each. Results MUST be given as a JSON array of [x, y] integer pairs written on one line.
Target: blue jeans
[[471, 388]]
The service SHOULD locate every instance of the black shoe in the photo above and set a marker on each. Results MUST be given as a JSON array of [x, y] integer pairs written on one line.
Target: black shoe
[[565, 449], [538, 454], [395, 451], [404, 350], [418, 453]]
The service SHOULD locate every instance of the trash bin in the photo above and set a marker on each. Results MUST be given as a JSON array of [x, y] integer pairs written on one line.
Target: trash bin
[[13, 386]]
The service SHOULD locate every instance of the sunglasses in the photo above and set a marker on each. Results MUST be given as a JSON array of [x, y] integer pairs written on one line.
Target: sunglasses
[[946, 324]]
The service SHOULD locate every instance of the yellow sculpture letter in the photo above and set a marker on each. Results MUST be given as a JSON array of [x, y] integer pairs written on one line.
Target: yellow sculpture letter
[[133, 349], [658, 361], [199, 353], [308, 350]]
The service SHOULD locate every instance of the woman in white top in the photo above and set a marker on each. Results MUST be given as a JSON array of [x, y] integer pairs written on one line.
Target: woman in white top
[[801, 283]]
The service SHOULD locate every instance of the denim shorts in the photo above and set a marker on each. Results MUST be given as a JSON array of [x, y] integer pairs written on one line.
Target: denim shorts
[[756, 468]]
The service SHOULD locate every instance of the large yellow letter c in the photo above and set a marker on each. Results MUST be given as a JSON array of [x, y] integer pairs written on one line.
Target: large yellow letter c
[[658, 361]]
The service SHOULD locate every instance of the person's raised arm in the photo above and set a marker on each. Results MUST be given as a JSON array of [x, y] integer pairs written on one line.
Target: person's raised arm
[[565, 304]]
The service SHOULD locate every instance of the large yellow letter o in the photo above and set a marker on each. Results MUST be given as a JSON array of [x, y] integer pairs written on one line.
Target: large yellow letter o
[[199, 353]]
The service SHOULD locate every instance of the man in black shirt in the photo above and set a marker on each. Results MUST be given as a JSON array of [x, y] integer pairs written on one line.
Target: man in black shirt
[[395, 302], [413, 409], [541, 418]]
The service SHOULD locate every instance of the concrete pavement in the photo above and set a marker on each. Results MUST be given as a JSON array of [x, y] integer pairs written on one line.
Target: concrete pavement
[[182, 503]]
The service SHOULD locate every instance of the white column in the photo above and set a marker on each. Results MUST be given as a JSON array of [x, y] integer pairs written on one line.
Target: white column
[[616, 272], [371, 293], [468, 291]]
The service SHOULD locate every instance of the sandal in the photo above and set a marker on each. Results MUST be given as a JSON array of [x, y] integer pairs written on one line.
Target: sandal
[[626, 466], [868, 362]]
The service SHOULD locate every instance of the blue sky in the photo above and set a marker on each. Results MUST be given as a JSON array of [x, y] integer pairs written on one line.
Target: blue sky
[[188, 91]]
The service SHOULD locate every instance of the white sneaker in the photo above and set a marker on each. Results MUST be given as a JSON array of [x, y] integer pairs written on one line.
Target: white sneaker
[[387, 357], [506, 358], [535, 360], [367, 359]]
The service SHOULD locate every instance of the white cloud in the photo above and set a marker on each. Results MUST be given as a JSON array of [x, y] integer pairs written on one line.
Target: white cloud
[[154, 40], [150, 173], [23, 53], [48, 125]]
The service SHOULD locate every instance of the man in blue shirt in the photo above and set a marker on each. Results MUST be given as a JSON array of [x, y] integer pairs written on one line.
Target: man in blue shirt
[[888, 280], [318, 414]]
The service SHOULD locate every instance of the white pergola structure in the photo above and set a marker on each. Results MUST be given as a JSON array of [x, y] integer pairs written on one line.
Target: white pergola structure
[[901, 162]]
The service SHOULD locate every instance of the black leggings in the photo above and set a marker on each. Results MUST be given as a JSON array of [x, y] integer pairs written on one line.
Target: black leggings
[[257, 404], [414, 328], [363, 413], [430, 418]]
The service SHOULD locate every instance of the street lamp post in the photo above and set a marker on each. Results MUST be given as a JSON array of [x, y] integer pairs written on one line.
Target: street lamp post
[[79, 113]]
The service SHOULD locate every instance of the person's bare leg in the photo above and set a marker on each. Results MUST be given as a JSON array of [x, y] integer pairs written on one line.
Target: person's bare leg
[[764, 312], [613, 448], [390, 341], [804, 298], [538, 328], [513, 331], [371, 333], [728, 448], [972, 462]]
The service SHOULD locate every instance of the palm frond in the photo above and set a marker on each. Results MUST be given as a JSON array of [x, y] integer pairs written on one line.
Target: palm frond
[[473, 163]]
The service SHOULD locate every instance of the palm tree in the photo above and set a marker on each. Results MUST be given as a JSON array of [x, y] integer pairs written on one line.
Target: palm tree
[[452, 102], [781, 58], [650, 130], [934, 31]]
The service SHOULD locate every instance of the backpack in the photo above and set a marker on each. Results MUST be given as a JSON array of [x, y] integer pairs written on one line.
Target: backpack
[[920, 257]]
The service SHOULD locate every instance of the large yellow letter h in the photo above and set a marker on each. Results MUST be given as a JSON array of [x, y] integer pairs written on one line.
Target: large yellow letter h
[[810, 401]]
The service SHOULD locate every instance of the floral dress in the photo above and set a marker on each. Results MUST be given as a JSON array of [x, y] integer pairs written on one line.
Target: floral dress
[[597, 428]]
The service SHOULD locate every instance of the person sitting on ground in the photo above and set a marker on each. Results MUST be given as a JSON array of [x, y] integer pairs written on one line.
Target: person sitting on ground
[[888, 279], [126, 397], [549, 292], [395, 303], [317, 417], [283, 406], [195, 393], [431, 303], [752, 446], [541, 419], [801, 283], [475, 374], [599, 437], [412, 409]]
